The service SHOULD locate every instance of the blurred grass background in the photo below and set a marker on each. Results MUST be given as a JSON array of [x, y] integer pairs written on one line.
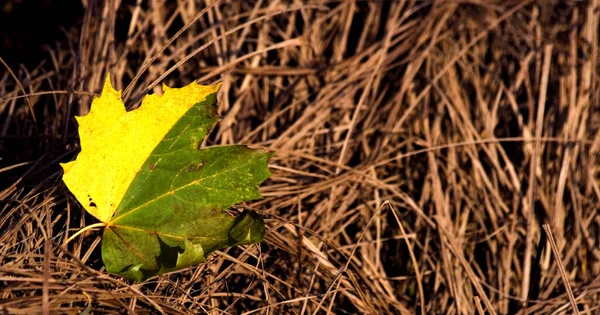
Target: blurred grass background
[[433, 157]]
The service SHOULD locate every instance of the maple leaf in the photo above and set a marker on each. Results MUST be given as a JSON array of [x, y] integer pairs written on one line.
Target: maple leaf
[[159, 197]]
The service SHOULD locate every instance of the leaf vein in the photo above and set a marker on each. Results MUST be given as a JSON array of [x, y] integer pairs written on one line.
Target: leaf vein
[[173, 191], [160, 234]]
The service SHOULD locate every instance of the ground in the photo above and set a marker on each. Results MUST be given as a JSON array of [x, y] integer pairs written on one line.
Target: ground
[[432, 157]]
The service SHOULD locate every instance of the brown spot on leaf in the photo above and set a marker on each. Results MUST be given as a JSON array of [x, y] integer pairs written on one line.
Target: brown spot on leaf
[[194, 167], [152, 167]]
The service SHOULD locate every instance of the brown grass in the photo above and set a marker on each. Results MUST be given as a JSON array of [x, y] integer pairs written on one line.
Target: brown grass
[[421, 146]]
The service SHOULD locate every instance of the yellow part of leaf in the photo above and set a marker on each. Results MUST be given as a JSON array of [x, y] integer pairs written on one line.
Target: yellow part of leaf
[[116, 143]]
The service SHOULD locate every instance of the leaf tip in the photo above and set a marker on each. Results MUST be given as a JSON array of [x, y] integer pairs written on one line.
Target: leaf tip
[[211, 88], [109, 101], [108, 89], [66, 166]]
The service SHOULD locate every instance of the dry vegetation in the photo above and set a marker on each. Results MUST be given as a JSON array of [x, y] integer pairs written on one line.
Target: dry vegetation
[[422, 146]]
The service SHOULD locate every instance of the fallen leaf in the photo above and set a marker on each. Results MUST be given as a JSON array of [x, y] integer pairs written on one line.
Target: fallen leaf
[[160, 198]]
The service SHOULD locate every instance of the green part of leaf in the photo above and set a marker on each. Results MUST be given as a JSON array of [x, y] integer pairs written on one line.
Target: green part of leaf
[[247, 229], [172, 215]]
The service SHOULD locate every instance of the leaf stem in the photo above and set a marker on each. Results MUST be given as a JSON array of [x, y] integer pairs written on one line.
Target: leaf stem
[[89, 227]]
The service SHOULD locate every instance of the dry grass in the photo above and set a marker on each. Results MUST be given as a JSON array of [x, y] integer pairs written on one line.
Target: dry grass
[[421, 146]]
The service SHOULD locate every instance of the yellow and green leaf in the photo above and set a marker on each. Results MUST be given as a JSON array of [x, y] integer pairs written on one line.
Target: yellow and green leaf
[[160, 198]]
